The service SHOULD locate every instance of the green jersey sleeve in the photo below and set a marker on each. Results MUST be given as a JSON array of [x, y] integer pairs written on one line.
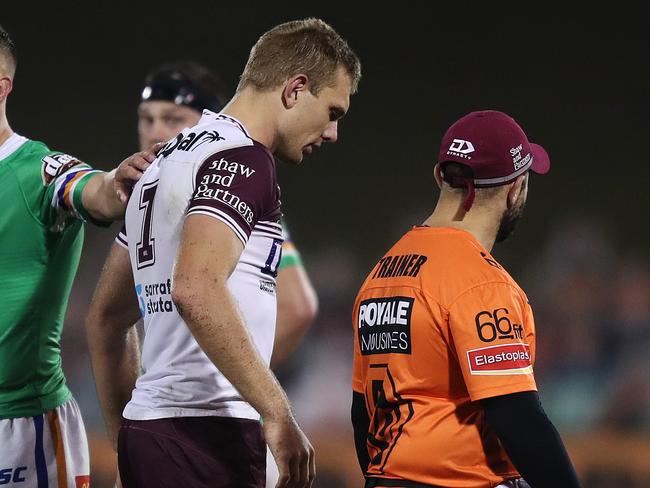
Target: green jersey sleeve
[[290, 255], [65, 178]]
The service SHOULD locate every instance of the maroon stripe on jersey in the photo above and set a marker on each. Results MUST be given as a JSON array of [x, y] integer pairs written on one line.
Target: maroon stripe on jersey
[[213, 212], [200, 452], [239, 184], [121, 238]]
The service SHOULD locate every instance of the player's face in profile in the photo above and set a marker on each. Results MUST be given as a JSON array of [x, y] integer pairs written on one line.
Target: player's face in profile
[[315, 120], [159, 121], [512, 215]]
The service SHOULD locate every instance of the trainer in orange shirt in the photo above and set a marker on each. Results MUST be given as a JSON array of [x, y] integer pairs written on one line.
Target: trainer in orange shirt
[[444, 391]]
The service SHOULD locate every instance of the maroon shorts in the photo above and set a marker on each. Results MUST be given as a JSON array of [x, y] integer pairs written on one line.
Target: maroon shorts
[[192, 452]]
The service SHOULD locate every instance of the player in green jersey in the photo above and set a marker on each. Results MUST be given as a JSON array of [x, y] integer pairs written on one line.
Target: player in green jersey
[[47, 196]]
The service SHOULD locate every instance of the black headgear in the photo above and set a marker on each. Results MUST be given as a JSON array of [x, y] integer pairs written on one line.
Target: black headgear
[[173, 86]]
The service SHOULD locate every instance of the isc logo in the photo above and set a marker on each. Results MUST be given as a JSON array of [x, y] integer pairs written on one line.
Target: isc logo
[[11, 475]]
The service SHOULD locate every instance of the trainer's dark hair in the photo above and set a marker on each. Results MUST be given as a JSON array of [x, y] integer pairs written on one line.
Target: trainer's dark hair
[[8, 48], [199, 75], [455, 174]]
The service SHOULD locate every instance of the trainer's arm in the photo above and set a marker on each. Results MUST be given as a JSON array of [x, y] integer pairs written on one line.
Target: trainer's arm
[[361, 426], [208, 254], [112, 339], [105, 195], [297, 307], [530, 439]]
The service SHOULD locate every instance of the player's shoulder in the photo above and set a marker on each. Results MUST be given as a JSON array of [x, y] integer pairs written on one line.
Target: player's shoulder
[[19, 150], [35, 160], [456, 262], [214, 133], [234, 150]]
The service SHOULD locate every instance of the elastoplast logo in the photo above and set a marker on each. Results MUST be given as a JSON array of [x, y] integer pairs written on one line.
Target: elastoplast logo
[[504, 359]]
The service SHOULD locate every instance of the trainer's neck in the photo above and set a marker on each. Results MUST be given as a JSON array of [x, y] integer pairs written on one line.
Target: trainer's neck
[[481, 222]]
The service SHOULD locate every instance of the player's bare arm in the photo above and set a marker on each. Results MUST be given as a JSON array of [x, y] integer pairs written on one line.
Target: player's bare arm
[[297, 307], [112, 339], [208, 254], [106, 194]]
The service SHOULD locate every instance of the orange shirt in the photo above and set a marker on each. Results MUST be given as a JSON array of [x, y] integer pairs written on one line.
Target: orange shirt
[[439, 324]]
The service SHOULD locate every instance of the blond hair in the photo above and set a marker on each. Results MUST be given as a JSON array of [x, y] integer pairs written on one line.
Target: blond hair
[[308, 46]]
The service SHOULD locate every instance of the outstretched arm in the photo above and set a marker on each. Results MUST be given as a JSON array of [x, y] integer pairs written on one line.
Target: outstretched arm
[[112, 339], [105, 195]]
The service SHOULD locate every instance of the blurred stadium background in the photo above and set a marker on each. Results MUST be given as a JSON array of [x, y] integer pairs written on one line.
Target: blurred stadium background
[[579, 87]]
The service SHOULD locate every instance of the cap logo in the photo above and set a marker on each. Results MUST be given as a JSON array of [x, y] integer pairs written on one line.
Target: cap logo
[[517, 160], [461, 146]]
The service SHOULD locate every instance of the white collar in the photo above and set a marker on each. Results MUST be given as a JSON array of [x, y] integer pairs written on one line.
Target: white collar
[[11, 145]]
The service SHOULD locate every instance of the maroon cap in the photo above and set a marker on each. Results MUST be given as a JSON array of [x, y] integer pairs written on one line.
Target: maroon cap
[[494, 146]]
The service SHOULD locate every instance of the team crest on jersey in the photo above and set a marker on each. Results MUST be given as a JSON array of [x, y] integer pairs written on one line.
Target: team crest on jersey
[[55, 165], [505, 359]]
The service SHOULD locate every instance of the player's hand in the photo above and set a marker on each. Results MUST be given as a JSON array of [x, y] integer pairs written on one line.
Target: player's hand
[[292, 451], [130, 170]]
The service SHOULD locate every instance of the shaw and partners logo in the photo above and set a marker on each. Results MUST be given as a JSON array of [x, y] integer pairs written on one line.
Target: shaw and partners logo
[[505, 359], [519, 161], [155, 297]]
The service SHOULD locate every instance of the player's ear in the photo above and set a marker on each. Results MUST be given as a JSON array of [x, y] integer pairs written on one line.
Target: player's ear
[[437, 174], [293, 87], [516, 187], [6, 85]]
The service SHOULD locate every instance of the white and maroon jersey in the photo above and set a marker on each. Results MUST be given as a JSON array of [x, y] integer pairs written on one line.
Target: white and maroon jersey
[[213, 169]]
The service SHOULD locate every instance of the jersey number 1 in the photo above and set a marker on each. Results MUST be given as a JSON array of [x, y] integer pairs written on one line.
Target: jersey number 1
[[273, 261], [145, 250]]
